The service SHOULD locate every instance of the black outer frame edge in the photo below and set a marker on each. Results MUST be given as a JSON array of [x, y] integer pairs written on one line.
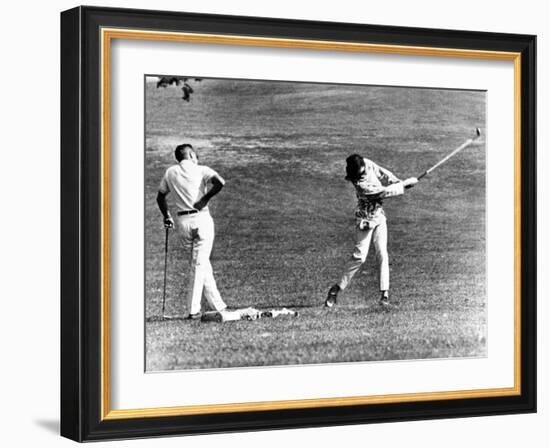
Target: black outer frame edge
[[295, 419], [307, 29], [529, 223], [89, 426], [71, 384]]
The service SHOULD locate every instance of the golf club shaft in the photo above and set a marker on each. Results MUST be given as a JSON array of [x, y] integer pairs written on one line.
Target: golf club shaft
[[165, 269], [448, 156]]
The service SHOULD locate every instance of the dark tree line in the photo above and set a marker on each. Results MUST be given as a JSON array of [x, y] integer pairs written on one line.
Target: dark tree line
[[165, 81]]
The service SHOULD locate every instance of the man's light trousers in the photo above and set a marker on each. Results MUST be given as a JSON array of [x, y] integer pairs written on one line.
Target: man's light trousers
[[197, 234]]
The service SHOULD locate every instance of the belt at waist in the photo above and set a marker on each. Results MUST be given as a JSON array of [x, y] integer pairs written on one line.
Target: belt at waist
[[187, 212]]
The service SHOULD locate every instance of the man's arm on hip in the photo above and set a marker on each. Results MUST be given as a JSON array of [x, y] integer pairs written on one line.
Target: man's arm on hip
[[217, 184]]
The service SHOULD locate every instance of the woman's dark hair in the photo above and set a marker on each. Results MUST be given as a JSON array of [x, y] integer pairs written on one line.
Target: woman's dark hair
[[354, 166]]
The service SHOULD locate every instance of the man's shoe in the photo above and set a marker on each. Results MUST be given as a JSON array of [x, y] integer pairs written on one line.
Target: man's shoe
[[193, 316], [384, 301], [332, 296]]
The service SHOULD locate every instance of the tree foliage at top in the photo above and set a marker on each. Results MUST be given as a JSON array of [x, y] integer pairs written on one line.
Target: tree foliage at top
[[165, 81]]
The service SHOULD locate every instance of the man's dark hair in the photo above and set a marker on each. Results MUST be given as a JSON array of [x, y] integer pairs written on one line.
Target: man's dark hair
[[183, 151], [354, 166]]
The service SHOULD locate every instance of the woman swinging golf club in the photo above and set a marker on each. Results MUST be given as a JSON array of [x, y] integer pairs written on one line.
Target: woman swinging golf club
[[372, 184]]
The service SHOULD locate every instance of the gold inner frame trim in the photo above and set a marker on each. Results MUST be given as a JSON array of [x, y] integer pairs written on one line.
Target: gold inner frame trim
[[107, 35]]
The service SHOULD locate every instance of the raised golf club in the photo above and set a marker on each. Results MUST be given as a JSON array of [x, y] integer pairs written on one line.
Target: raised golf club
[[454, 152]]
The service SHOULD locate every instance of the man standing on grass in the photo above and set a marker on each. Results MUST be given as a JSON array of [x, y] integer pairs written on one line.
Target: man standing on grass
[[372, 184], [189, 182]]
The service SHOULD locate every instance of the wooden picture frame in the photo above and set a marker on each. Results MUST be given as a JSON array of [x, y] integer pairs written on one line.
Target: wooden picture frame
[[86, 35]]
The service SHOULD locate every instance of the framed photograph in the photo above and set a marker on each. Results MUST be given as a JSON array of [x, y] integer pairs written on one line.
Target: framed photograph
[[273, 223]]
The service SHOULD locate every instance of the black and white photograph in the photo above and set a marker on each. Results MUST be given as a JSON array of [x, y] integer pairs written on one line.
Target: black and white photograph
[[293, 223]]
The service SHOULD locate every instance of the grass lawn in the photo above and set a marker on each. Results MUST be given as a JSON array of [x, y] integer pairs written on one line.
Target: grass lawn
[[284, 223]]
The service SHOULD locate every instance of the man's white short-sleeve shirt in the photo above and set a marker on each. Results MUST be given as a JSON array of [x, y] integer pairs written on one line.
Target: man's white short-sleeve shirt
[[188, 182]]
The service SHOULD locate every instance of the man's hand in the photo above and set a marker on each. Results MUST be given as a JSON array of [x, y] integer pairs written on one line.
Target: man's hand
[[163, 206], [217, 185], [168, 222], [200, 204], [410, 182]]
